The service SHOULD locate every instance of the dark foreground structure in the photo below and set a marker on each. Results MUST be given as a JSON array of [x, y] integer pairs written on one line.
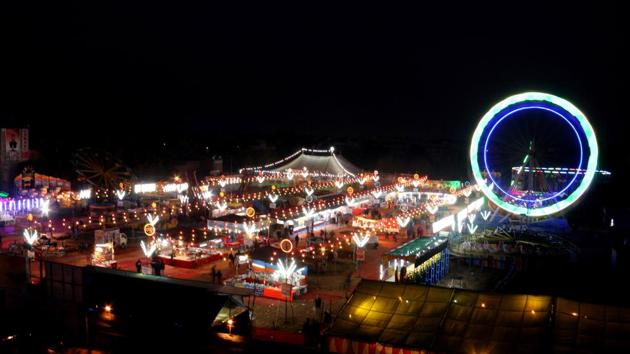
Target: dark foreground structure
[[118, 311], [383, 317]]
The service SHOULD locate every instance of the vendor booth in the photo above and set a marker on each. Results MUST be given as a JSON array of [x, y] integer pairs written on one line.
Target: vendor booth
[[423, 260], [273, 275], [185, 255]]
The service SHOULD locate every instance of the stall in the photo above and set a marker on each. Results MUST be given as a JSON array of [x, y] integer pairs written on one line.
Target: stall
[[423, 260], [185, 255], [273, 275], [104, 256], [386, 225]]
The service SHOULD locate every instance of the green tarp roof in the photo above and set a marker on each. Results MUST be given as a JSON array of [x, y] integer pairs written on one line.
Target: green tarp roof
[[421, 249]]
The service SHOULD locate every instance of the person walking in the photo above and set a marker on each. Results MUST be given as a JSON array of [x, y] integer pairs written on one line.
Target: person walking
[[214, 274]]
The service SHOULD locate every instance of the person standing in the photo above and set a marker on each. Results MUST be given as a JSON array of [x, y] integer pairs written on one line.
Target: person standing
[[318, 306], [214, 274], [138, 266], [297, 240], [403, 274]]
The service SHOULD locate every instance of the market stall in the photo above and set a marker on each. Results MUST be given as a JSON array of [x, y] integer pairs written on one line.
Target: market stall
[[186, 255], [423, 260], [103, 255], [273, 275]]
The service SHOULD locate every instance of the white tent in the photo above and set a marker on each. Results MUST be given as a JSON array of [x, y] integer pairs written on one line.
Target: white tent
[[322, 161]]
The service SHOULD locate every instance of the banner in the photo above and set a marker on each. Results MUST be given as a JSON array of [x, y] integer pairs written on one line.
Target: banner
[[12, 145]]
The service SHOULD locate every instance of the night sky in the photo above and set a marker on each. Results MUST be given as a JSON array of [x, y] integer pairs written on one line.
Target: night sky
[[137, 73]]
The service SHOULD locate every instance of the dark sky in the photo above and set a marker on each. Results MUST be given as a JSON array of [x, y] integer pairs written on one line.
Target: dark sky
[[428, 72]]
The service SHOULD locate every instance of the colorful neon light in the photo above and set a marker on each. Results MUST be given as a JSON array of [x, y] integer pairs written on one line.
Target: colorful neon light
[[360, 239], [30, 236], [120, 194], [153, 219], [402, 222], [147, 251], [472, 228], [531, 98]]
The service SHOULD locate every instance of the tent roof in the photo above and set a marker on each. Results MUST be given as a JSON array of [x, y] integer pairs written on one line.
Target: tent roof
[[452, 320], [332, 164], [323, 161]]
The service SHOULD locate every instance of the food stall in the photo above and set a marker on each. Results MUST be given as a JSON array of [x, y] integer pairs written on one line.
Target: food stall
[[189, 255], [387, 225], [273, 275], [103, 255]]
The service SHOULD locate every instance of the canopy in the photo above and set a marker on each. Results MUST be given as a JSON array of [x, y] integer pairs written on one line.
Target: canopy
[[418, 250]]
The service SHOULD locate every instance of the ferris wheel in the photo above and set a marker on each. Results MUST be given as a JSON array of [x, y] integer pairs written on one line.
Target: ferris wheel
[[100, 169], [534, 154]]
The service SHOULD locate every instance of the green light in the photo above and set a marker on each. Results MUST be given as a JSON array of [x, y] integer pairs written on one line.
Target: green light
[[590, 138]]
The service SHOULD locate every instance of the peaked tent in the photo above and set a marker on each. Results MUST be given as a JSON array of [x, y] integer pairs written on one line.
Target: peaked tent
[[322, 161]]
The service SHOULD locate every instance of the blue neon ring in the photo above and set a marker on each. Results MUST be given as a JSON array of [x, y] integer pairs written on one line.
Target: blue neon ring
[[508, 114]]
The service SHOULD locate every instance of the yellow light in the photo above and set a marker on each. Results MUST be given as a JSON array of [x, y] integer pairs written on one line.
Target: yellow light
[[108, 308], [230, 322], [483, 305], [575, 314], [533, 312]]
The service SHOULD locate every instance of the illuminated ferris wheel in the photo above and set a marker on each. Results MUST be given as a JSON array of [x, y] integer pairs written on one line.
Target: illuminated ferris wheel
[[100, 169], [534, 154]]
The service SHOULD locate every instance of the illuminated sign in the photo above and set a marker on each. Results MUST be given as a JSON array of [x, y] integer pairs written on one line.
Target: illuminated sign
[[145, 188], [173, 187]]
